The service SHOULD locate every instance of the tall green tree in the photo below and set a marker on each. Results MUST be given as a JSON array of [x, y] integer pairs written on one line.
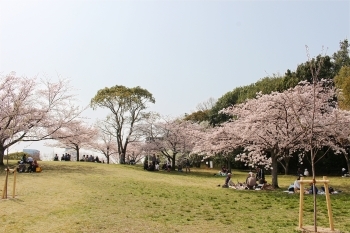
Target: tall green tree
[[342, 83], [341, 57], [325, 71], [127, 107]]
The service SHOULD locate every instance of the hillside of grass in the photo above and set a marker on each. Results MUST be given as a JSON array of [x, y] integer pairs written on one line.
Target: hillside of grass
[[90, 197]]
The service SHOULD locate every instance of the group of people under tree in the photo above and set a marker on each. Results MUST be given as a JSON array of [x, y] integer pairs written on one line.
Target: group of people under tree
[[32, 164], [252, 181], [296, 188], [64, 157], [154, 164], [85, 158], [302, 173]]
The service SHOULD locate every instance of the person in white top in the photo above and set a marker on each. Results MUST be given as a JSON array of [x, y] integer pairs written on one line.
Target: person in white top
[[30, 160], [297, 185], [306, 172], [251, 180]]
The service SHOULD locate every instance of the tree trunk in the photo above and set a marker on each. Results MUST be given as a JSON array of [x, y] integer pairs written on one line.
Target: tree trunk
[[77, 149], [286, 169], [347, 161], [228, 163], [2, 152], [122, 158], [173, 162], [274, 171], [314, 188]]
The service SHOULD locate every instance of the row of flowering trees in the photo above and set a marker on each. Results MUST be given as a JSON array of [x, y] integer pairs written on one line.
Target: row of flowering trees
[[301, 120], [32, 110]]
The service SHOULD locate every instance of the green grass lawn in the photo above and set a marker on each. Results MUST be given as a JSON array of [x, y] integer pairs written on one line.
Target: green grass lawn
[[90, 197]]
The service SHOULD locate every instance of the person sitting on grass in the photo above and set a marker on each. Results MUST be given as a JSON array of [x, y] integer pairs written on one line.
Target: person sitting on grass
[[35, 165], [311, 190], [151, 167], [260, 175], [299, 172], [344, 173], [251, 180], [30, 167], [227, 180], [297, 185], [187, 164], [223, 171], [21, 167]]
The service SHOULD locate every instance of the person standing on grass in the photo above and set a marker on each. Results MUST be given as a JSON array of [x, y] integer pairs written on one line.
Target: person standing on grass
[[168, 165], [158, 160], [154, 160], [187, 165], [260, 175], [24, 159], [299, 172]]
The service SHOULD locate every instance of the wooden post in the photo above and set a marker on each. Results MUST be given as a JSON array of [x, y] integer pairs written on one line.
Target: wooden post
[[14, 183], [301, 205], [328, 200], [4, 192], [329, 207]]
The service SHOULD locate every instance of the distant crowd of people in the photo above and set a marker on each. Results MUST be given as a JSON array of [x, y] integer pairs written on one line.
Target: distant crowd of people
[[311, 188], [301, 173], [64, 157], [85, 158], [154, 164]]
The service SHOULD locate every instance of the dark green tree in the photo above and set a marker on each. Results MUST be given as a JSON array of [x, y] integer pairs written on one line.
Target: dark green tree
[[198, 116], [341, 57], [342, 83], [303, 71]]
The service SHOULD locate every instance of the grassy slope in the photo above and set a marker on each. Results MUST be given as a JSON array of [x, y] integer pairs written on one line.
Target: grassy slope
[[90, 197]]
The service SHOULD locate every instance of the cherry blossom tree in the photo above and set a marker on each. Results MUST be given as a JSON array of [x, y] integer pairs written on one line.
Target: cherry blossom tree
[[33, 110], [77, 136], [136, 151], [106, 145], [272, 127], [172, 137]]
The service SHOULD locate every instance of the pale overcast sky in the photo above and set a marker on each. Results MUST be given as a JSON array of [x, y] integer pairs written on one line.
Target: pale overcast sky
[[183, 52]]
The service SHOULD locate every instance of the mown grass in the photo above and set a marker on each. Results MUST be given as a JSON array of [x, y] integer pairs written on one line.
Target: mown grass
[[90, 197]]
